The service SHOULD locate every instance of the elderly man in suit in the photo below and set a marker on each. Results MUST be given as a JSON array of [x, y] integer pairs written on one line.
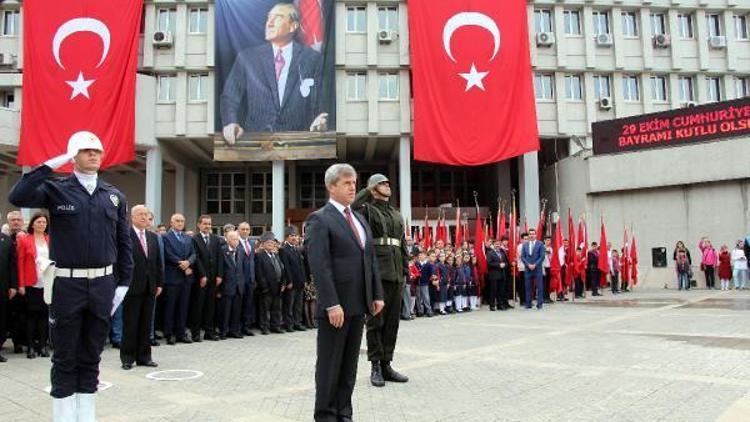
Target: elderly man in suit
[[145, 287], [296, 271], [210, 269], [232, 288], [278, 80], [248, 269], [8, 283], [342, 261], [532, 256], [179, 275], [272, 279]]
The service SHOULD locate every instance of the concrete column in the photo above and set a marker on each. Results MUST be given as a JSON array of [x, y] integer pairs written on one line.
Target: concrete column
[[503, 181], [293, 194], [277, 198], [154, 170], [25, 212], [179, 189], [529, 188], [404, 177]]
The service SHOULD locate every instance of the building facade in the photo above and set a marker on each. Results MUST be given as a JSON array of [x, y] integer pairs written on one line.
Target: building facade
[[593, 60]]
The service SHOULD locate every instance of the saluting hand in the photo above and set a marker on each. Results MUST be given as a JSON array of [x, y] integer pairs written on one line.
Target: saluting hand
[[377, 306]]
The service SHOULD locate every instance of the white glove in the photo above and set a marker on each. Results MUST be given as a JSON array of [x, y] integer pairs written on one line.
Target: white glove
[[60, 160], [120, 292], [320, 124], [231, 132]]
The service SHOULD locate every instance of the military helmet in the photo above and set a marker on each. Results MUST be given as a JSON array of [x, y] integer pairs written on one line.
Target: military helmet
[[375, 180]]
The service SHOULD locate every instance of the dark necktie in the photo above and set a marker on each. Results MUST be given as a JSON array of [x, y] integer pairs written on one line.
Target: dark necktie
[[276, 265], [348, 214]]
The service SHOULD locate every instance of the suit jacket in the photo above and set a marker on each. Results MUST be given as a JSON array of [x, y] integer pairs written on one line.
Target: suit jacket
[[250, 95], [294, 265], [265, 273], [175, 251], [494, 259], [248, 263], [592, 262], [209, 262], [345, 274], [8, 265], [535, 257], [233, 282], [147, 270]]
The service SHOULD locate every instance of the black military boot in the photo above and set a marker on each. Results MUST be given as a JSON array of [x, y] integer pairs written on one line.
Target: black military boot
[[389, 374], [376, 377]]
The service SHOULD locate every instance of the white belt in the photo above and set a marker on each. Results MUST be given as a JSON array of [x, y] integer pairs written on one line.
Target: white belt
[[89, 273]]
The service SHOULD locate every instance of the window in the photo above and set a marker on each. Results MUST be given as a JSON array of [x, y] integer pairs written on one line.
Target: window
[[9, 99], [687, 89], [225, 193], [629, 24], [740, 27], [356, 19], [198, 87], [387, 18], [601, 22], [356, 86], [198, 20], [685, 25], [658, 24], [573, 88], [543, 86], [713, 85], [166, 88], [742, 87], [659, 89], [166, 20], [601, 86], [11, 21], [312, 189], [261, 201], [630, 91], [572, 22], [542, 20], [388, 85], [713, 22]]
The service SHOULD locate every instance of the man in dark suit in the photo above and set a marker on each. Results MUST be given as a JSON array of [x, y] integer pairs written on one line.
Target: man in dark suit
[[145, 287], [8, 283], [497, 261], [271, 278], [232, 288], [248, 269], [592, 269], [342, 261], [179, 269], [296, 272], [532, 256], [278, 81], [210, 272]]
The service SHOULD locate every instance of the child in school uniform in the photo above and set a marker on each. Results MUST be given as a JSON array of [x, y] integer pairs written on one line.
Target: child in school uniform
[[428, 276], [441, 287], [413, 283], [474, 284], [463, 274], [450, 281]]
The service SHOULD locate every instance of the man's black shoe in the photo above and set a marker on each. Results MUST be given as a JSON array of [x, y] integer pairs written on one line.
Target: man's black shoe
[[150, 364], [376, 376], [155, 343], [492, 308], [17, 348], [210, 336], [234, 335], [289, 329], [277, 330], [116, 344], [264, 331], [389, 374], [299, 328], [185, 339], [197, 339], [248, 332], [127, 366], [171, 341], [3, 359]]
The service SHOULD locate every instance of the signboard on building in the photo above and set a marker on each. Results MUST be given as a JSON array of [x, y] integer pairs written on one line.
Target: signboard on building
[[710, 122], [275, 81]]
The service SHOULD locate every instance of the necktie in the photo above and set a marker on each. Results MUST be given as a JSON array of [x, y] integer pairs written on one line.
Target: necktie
[[205, 239], [348, 214], [142, 237], [276, 265], [279, 63], [246, 247]]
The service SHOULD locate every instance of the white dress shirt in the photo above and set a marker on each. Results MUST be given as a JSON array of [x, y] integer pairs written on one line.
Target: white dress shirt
[[286, 52], [360, 228]]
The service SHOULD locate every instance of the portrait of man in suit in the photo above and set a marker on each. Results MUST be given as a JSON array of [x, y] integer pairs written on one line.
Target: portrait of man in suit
[[274, 86]]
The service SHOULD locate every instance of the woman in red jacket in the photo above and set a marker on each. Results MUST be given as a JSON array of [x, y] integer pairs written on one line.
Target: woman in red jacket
[[31, 286]]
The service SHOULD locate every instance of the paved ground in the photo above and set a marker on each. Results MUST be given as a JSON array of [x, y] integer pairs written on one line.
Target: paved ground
[[646, 356]]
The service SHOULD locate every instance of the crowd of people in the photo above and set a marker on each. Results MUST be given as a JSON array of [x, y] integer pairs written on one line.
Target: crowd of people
[[730, 266]]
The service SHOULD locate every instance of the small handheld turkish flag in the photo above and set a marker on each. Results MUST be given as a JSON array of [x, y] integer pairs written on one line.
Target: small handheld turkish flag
[[473, 95], [80, 59]]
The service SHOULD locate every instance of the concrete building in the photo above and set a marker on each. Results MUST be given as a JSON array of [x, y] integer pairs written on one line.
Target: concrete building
[[593, 60]]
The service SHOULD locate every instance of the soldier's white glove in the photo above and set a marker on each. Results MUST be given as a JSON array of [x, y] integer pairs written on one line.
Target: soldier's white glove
[[231, 132], [120, 292], [60, 160]]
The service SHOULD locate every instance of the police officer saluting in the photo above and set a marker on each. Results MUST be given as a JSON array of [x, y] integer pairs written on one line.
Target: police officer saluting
[[91, 246], [393, 261]]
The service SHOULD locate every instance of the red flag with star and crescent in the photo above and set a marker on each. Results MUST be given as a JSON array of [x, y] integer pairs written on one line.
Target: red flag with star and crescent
[[312, 23], [473, 93], [80, 59]]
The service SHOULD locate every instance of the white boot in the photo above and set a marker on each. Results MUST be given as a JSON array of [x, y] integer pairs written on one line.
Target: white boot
[[64, 410], [86, 407]]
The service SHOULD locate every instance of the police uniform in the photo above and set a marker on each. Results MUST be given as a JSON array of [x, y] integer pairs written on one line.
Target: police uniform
[[91, 246], [393, 261]]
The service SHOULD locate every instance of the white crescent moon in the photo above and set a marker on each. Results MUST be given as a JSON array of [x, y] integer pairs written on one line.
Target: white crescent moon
[[470, 19], [80, 25]]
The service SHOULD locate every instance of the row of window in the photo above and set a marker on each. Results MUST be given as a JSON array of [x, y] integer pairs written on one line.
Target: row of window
[[356, 86], [631, 27], [544, 87], [356, 18], [198, 85], [166, 20]]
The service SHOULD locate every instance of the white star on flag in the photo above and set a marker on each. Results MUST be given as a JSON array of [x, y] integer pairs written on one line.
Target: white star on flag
[[80, 86], [474, 78]]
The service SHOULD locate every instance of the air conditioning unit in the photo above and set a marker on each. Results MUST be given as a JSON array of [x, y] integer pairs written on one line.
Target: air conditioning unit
[[604, 40], [386, 37], [162, 39], [605, 103], [662, 40], [690, 104], [545, 39], [719, 41], [7, 59]]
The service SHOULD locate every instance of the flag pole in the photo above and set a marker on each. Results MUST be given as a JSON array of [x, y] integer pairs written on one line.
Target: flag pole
[[514, 265]]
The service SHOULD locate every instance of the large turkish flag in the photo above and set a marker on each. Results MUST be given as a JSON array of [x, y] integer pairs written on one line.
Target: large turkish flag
[[473, 92], [80, 59]]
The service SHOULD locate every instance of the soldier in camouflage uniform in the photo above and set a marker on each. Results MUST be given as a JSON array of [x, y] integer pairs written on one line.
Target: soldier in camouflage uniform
[[390, 248]]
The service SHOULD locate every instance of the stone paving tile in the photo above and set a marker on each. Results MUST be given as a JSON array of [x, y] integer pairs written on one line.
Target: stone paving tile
[[645, 356]]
